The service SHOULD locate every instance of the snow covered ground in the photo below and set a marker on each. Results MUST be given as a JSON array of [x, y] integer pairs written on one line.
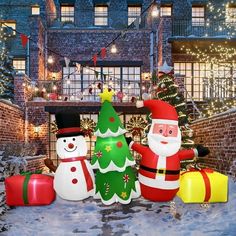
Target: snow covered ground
[[141, 217]]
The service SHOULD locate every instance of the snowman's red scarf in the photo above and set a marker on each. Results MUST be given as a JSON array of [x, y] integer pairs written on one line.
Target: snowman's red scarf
[[87, 175]]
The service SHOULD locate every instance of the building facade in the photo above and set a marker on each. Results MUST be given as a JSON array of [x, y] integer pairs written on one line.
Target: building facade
[[65, 35]]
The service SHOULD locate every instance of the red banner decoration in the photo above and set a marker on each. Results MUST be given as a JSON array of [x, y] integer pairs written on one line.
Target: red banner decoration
[[204, 172], [95, 58], [103, 53], [24, 40]]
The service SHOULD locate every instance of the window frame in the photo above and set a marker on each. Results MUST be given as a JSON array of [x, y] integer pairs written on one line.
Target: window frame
[[103, 16], [166, 6], [35, 7], [228, 19], [134, 17], [3, 23], [69, 16], [198, 23], [196, 82], [18, 59], [80, 82]]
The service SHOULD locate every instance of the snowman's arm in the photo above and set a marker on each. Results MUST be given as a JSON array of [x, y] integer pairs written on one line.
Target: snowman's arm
[[137, 147], [187, 154], [48, 162]]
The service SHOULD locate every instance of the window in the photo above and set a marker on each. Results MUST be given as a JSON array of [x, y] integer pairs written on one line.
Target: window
[[125, 79], [11, 24], [67, 13], [19, 65], [101, 15], [35, 10], [230, 15], [198, 16], [133, 13], [166, 11], [205, 80]]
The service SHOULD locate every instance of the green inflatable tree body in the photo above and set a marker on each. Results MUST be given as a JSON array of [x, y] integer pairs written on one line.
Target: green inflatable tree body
[[115, 178]]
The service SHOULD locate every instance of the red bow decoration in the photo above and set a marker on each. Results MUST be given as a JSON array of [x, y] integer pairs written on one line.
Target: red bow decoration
[[103, 53], [203, 172], [95, 58]]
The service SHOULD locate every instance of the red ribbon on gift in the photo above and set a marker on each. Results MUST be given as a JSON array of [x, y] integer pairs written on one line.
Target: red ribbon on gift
[[203, 172]]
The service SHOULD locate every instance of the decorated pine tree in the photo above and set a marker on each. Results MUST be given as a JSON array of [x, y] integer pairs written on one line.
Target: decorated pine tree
[[115, 178], [168, 91], [6, 69]]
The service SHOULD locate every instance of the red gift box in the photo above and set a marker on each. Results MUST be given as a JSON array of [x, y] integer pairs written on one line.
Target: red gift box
[[29, 190]]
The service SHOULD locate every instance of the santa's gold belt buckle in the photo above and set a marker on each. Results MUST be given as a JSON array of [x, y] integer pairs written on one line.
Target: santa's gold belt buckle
[[161, 171]]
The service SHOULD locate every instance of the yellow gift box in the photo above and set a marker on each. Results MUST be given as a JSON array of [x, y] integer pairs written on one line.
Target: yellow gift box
[[206, 185]]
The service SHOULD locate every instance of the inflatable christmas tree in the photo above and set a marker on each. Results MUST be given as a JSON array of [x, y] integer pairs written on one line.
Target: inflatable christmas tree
[[115, 178]]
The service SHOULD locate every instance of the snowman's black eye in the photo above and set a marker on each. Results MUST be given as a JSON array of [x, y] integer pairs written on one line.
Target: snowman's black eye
[[64, 141], [73, 139]]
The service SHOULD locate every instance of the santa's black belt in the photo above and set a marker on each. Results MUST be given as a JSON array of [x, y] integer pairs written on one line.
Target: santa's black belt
[[160, 171]]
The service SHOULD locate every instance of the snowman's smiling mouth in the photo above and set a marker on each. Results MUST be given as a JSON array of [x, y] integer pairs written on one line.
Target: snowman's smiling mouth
[[71, 150]]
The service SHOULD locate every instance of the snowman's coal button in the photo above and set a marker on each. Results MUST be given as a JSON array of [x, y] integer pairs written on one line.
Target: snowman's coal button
[[74, 181], [73, 169]]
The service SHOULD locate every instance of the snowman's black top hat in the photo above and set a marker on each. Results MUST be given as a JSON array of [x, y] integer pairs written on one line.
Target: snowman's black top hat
[[68, 125]]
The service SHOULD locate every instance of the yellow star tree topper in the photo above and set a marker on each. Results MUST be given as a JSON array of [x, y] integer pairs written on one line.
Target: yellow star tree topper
[[106, 95]]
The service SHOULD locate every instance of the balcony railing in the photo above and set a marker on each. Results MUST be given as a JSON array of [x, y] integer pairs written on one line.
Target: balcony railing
[[86, 20], [187, 28], [60, 90]]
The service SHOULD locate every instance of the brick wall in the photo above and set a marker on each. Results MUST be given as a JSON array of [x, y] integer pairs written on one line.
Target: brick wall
[[82, 44], [219, 135], [164, 48], [37, 117], [21, 93], [37, 52], [11, 123], [36, 163]]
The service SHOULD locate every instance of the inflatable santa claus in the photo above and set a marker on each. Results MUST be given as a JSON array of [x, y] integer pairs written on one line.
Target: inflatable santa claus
[[160, 164]]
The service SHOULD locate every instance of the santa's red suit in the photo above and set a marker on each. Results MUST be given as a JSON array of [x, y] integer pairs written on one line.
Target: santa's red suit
[[159, 175], [160, 163]]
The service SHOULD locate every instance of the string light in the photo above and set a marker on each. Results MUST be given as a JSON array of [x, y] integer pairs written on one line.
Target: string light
[[50, 60], [113, 49]]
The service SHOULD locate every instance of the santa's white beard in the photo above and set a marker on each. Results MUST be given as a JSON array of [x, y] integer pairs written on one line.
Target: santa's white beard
[[169, 149]]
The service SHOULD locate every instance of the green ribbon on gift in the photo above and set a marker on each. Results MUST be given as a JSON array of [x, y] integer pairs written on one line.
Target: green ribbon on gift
[[27, 175]]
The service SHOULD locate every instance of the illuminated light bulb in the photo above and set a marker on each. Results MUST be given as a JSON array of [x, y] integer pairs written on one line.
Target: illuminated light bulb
[[68, 81], [36, 89], [113, 49], [50, 60], [54, 87], [23, 84], [44, 90], [155, 10]]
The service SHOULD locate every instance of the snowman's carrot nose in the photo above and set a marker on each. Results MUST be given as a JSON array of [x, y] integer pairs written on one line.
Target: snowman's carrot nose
[[70, 145]]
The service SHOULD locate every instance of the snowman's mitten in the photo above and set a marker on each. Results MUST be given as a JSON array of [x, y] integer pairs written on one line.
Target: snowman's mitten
[[49, 163], [202, 151]]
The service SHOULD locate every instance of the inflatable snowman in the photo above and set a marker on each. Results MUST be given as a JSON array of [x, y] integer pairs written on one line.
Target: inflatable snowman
[[74, 177]]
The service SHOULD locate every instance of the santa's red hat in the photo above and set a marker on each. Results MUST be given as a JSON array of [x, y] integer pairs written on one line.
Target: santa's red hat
[[160, 110]]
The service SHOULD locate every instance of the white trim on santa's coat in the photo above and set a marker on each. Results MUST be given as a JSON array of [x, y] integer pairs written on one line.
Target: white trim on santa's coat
[[162, 121], [158, 183], [161, 164]]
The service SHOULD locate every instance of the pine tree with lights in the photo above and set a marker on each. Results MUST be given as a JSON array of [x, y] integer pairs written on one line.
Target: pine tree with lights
[[6, 69], [167, 90], [115, 178]]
